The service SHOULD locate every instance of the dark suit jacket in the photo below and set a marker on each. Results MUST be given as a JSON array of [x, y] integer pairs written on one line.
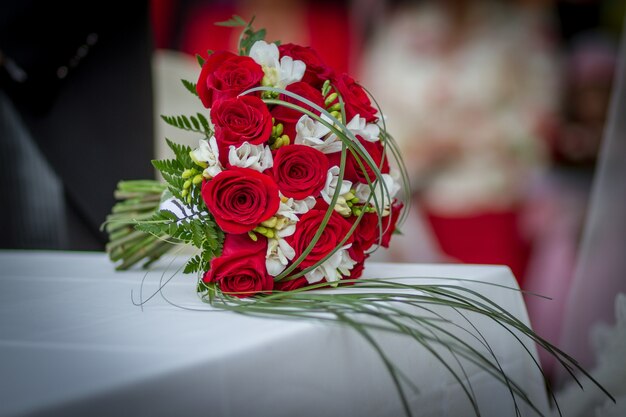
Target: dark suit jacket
[[87, 98]]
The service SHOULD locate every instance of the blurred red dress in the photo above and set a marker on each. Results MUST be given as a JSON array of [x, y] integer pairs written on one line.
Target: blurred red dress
[[200, 33]]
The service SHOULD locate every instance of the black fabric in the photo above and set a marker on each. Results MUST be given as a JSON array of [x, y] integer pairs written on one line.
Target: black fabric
[[87, 99]]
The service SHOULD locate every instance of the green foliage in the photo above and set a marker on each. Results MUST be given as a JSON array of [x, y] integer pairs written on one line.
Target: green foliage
[[235, 21], [248, 36], [182, 154], [201, 60], [197, 229], [194, 264], [197, 123], [191, 87]]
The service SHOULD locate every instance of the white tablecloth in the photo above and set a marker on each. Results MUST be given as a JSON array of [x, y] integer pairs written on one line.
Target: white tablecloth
[[73, 344]]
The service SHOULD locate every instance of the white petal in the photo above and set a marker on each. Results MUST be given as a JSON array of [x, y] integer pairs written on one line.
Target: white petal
[[265, 54], [286, 249], [274, 266], [287, 231], [291, 71]]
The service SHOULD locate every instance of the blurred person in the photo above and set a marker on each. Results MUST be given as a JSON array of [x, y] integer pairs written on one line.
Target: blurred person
[[561, 200], [324, 25], [75, 117], [471, 91]]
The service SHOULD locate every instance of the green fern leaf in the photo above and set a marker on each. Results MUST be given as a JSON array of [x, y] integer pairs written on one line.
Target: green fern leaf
[[191, 87], [235, 21]]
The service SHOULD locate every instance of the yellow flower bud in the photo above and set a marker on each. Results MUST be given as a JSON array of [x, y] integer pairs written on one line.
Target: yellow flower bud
[[271, 222], [335, 107], [252, 236], [281, 223], [260, 229], [270, 234], [279, 129], [184, 193], [285, 140], [187, 184], [330, 99], [188, 173], [325, 87], [197, 179]]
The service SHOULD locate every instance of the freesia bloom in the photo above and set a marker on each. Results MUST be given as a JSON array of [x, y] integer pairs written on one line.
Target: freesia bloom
[[383, 195], [368, 131], [207, 154], [334, 268], [277, 73], [332, 181], [257, 157], [312, 132]]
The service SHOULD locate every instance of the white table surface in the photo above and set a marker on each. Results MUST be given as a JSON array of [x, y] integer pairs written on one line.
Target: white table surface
[[73, 344]]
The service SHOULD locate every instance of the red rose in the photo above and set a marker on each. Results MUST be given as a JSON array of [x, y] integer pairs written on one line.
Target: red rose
[[225, 75], [389, 222], [291, 285], [238, 120], [241, 267], [353, 171], [355, 99], [367, 232], [316, 70], [356, 271], [240, 199], [300, 171], [335, 231], [289, 117]]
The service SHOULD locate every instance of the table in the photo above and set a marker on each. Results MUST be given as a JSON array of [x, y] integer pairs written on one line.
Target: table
[[72, 343]]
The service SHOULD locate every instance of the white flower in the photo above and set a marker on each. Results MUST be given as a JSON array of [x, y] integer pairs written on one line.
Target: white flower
[[257, 157], [279, 252], [265, 54], [339, 264], [368, 131], [291, 71], [289, 207], [384, 197], [311, 133], [332, 179], [278, 255], [207, 154], [277, 73]]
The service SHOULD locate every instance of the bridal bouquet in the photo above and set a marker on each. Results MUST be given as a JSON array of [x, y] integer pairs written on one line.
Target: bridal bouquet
[[294, 182]]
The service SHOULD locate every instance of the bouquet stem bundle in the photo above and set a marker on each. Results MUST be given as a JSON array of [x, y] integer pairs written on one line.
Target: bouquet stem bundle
[[139, 200]]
